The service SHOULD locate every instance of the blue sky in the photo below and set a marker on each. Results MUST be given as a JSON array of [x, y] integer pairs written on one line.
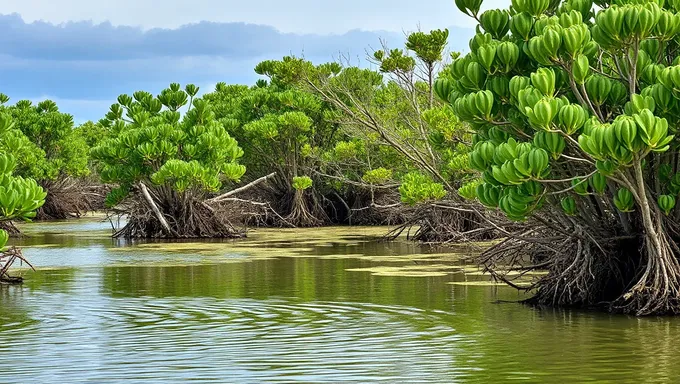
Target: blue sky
[[83, 53]]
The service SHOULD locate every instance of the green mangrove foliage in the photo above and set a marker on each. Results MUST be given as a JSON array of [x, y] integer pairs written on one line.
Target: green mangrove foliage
[[49, 150], [300, 214], [416, 187], [576, 109], [165, 163], [19, 197], [93, 133], [377, 176], [281, 128], [300, 183]]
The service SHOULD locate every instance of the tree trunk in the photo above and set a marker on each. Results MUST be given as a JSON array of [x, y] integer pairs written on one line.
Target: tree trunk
[[658, 289]]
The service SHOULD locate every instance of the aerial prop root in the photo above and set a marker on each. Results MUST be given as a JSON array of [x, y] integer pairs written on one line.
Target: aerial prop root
[[578, 273], [305, 210], [10, 228], [7, 259], [446, 222], [637, 274], [184, 219], [66, 198], [381, 207], [657, 287]]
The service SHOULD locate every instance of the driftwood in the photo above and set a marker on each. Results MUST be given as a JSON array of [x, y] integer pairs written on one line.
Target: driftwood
[[8, 258]]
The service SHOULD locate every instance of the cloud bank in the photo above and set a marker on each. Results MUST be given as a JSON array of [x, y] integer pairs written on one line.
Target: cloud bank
[[299, 16], [87, 65]]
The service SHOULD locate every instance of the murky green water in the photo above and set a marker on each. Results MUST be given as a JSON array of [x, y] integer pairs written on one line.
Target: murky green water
[[311, 306]]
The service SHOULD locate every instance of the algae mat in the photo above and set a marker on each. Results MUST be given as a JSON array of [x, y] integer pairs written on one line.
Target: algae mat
[[398, 257]]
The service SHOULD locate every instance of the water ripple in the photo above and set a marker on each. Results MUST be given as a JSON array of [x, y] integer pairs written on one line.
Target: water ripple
[[275, 340], [102, 315]]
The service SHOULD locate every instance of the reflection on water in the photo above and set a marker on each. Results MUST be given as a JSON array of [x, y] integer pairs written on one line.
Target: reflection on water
[[102, 311]]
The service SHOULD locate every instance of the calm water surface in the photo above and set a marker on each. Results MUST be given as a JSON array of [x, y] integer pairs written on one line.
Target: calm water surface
[[316, 306]]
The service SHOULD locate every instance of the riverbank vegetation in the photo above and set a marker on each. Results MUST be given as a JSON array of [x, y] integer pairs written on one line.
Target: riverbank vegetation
[[555, 133], [302, 134], [164, 164], [50, 151], [19, 197], [574, 111]]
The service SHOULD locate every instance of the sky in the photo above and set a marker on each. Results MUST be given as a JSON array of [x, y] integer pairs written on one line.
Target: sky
[[84, 53]]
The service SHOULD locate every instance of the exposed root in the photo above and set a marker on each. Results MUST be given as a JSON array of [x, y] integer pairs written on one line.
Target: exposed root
[[186, 219], [446, 222], [590, 267], [10, 228], [579, 272], [69, 198], [251, 213], [305, 211], [7, 258], [383, 208], [96, 196], [264, 207], [657, 287]]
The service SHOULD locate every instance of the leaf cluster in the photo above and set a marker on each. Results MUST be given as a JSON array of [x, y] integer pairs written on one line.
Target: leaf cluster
[[151, 140]]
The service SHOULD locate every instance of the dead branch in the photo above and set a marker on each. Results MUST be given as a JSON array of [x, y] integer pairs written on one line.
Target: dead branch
[[240, 189], [156, 211]]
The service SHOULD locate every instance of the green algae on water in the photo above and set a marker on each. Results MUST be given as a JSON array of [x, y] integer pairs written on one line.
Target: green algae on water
[[432, 270]]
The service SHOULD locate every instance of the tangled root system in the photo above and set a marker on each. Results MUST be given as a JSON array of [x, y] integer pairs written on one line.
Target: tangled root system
[[10, 228], [305, 210], [446, 222], [588, 267], [380, 208], [69, 198], [191, 219]]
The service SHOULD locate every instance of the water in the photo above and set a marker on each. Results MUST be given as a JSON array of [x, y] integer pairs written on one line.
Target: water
[[311, 306]]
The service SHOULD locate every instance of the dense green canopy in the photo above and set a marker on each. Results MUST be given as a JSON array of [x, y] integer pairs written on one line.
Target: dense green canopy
[[50, 146], [575, 113], [19, 197], [180, 157]]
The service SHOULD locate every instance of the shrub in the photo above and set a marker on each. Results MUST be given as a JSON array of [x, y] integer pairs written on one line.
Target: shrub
[[179, 159], [575, 110]]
